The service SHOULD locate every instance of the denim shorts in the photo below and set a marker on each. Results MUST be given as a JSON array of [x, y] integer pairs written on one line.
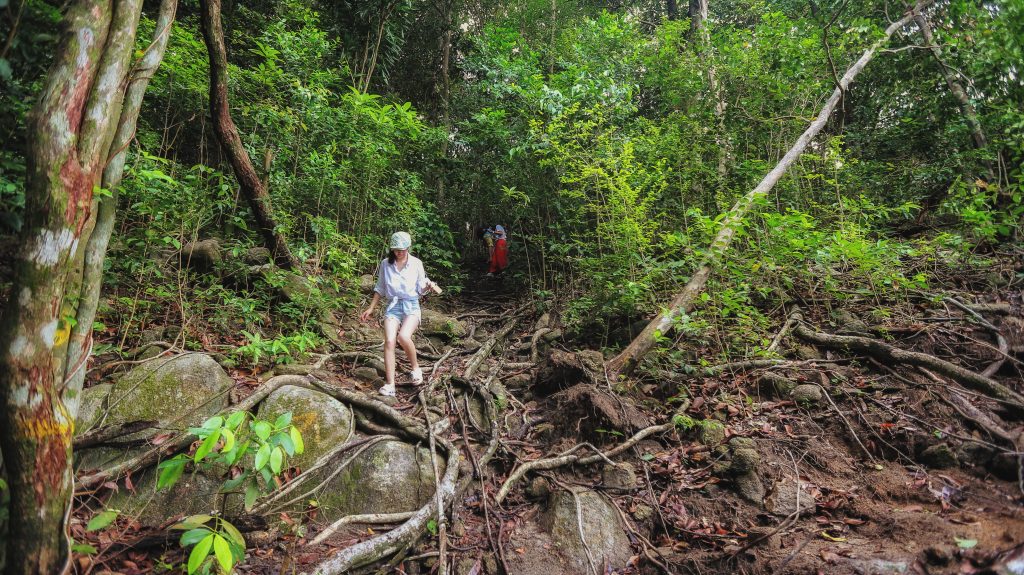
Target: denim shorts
[[402, 308]]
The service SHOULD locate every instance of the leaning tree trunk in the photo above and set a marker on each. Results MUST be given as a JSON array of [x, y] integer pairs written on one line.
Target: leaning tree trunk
[[70, 131], [80, 342], [624, 363], [252, 187]]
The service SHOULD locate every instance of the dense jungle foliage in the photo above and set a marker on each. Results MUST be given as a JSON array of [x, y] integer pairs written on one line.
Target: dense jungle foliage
[[608, 138]]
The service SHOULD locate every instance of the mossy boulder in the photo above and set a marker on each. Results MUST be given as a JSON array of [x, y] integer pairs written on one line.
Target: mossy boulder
[[193, 493], [602, 529], [323, 421], [773, 385], [435, 323], [806, 395], [389, 477], [176, 392], [90, 410], [180, 391], [939, 456]]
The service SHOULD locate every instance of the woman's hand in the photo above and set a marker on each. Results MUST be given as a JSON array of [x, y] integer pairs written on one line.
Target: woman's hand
[[365, 316]]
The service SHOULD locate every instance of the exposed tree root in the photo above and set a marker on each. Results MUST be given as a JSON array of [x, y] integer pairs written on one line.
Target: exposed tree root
[[891, 354], [104, 434], [481, 354], [371, 518], [569, 457]]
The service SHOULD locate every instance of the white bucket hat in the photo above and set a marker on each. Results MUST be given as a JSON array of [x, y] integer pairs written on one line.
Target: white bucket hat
[[400, 241]]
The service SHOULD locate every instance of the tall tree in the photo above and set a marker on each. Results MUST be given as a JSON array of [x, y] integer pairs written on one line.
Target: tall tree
[[624, 363], [71, 129], [253, 188]]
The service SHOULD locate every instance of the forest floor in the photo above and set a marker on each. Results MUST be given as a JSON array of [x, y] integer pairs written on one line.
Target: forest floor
[[827, 460]]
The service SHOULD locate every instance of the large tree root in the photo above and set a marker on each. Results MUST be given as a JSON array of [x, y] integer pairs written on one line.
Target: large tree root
[[886, 353], [481, 354], [570, 457]]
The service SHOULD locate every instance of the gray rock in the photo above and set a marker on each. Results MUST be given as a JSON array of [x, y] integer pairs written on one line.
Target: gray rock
[[180, 391], [193, 493], [782, 501], [773, 385], [712, 433], [435, 323], [257, 256], [150, 335], [202, 256], [323, 421], [879, 567], [543, 321], [389, 477], [619, 476], [366, 284], [807, 352], [367, 374], [806, 394], [602, 529], [90, 409], [939, 456]]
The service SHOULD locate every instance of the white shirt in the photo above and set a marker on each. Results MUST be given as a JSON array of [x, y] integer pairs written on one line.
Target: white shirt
[[408, 283]]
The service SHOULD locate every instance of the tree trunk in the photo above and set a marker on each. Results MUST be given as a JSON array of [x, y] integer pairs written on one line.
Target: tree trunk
[[698, 14], [80, 342], [624, 363], [671, 10], [956, 88], [71, 128], [252, 187], [446, 49]]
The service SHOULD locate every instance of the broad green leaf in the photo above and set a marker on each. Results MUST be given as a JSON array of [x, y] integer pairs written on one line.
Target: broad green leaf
[[207, 445], [235, 419], [193, 536], [263, 455], [170, 472], [229, 439], [199, 553], [286, 442], [251, 493], [83, 549], [965, 543], [297, 440], [276, 459], [102, 519], [192, 521], [213, 423], [223, 552], [234, 535], [283, 420], [233, 483], [262, 429]]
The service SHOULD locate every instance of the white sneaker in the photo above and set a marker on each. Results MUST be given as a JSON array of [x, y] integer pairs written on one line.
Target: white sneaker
[[416, 375], [388, 390]]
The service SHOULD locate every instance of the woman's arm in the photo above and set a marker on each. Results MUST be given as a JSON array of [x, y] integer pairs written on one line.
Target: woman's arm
[[369, 311]]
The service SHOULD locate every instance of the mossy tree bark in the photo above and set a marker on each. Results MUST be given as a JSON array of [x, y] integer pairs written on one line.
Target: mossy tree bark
[[624, 363], [71, 129], [252, 187]]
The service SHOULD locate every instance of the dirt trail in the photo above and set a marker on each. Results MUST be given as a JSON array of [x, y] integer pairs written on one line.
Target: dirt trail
[[852, 468]]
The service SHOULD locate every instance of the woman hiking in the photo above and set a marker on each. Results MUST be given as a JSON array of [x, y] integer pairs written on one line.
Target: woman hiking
[[499, 256], [401, 281]]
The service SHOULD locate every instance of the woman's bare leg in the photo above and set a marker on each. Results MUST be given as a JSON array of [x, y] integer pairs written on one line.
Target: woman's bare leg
[[405, 339], [390, 336]]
